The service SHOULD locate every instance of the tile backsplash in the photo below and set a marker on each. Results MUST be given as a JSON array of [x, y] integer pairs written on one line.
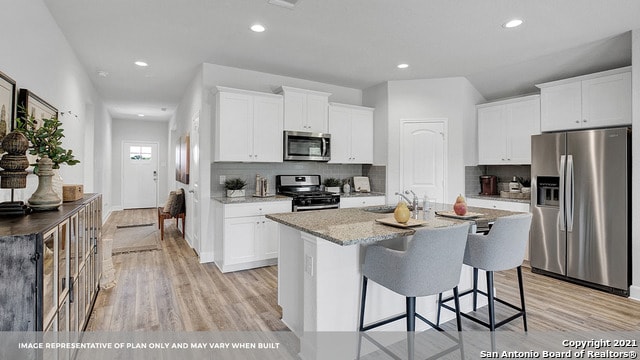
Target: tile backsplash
[[248, 171], [504, 173]]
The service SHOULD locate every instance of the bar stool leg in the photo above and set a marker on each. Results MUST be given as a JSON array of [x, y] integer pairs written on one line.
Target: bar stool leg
[[491, 306], [362, 301], [439, 308], [475, 289], [411, 313], [521, 285], [456, 299]]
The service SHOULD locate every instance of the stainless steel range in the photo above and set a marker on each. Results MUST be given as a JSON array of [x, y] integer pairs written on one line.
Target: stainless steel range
[[306, 193]]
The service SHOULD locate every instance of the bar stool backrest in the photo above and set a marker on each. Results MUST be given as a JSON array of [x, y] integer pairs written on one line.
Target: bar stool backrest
[[431, 264], [503, 247]]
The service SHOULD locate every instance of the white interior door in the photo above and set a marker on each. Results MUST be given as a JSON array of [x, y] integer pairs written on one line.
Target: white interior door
[[193, 225], [423, 154], [139, 174]]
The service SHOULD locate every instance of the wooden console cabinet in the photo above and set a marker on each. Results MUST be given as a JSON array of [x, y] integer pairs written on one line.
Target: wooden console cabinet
[[50, 267]]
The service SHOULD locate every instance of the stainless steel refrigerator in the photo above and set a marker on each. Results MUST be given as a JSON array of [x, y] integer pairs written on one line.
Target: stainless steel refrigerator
[[580, 200]]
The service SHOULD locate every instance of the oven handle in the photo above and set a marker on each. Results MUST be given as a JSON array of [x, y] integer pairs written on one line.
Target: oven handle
[[315, 207]]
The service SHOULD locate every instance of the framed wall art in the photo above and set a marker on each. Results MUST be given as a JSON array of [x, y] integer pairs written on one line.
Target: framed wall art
[[35, 106], [7, 104]]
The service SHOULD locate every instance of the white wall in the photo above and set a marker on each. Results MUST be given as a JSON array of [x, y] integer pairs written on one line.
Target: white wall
[[138, 130], [635, 166], [37, 56], [378, 98], [450, 98], [191, 106]]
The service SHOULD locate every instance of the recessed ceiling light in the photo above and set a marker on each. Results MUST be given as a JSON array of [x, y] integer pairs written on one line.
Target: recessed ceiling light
[[403, 66], [141, 63], [141, 115], [257, 28], [512, 23]]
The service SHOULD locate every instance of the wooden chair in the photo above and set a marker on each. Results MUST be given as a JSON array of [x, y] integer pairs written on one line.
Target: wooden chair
[[176, 210]]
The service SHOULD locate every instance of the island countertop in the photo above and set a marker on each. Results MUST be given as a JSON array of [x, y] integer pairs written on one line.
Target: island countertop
[[356, 226]]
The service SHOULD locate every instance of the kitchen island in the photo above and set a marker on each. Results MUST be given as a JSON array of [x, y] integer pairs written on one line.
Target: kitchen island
[[319, 271]]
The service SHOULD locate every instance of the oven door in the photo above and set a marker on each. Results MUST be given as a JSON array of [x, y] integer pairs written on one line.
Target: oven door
[[298, 208], [306, 146]]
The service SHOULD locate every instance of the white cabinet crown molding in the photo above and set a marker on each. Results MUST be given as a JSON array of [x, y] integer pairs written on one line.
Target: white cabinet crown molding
[[509, 100], [245, 92], [584, 77], [359, 107], [283, 88]]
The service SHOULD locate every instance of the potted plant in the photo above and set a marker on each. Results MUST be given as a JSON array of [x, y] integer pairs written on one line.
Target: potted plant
[[332, 185], [46, 140], [235, 187], [45, 143]]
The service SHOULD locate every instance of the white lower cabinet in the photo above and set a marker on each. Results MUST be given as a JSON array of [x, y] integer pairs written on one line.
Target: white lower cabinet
[[361, 201], [244, 237]]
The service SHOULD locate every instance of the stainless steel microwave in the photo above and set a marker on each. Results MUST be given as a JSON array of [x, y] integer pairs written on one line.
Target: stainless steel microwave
[[306, 146]]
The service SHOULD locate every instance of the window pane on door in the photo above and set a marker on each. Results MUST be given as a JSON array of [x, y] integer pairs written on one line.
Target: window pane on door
[[142, 153]]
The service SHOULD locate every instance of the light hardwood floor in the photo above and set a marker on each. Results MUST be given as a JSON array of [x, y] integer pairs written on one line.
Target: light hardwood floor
[[169, 290]]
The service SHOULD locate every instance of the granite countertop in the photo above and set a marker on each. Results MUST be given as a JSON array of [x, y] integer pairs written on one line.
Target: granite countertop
[[498, 198], [250, 199], [356, 226]]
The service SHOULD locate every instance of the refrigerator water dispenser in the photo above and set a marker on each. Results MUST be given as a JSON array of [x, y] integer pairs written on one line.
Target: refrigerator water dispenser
[[548, 191]]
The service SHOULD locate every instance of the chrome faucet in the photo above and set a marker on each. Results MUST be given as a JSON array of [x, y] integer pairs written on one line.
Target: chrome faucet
[[413, 202]]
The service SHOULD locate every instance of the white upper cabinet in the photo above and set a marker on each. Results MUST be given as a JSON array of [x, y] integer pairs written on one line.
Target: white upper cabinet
[[591, 101], [351, 129], [305, 110], [248, 126], [505, 128]]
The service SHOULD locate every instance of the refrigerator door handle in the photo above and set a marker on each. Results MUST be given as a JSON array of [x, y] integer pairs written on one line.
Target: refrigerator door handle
[[569, 193], [562, 192]]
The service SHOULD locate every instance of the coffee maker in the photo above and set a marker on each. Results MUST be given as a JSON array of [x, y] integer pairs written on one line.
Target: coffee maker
[[488, 185]]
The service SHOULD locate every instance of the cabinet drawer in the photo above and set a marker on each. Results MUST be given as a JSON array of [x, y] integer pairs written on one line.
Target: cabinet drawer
[[256, 209], [500, 205], [353, 202]]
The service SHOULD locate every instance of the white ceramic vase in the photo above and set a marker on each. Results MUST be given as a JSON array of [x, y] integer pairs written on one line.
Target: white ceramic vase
[[235, 193]]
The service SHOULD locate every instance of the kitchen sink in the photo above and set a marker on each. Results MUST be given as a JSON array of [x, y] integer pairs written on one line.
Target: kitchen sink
[[382, 209]]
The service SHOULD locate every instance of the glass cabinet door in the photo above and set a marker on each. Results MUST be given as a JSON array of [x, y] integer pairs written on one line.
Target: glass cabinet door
[[73, 247], [63, 261], [81, 295], [82, 235], [49, 276], [63, 315], [73, 307]]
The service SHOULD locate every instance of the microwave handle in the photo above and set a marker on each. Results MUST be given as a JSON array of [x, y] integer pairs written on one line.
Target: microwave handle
[[324, 147]]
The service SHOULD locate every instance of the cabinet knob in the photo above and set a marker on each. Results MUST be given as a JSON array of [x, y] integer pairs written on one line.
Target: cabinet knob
[[585, 120], [577, 121]]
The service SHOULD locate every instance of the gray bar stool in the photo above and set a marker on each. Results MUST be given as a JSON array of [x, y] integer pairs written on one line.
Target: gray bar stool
[[430, 265], [502, 248]]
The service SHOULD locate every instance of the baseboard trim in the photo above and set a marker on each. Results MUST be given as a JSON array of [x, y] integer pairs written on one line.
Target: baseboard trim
[[634, 292], [206, 257]]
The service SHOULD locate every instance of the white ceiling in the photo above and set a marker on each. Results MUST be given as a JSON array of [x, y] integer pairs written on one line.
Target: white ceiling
[[354, 43]]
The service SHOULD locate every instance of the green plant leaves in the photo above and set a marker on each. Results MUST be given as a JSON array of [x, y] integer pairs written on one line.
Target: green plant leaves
[[45, 139]]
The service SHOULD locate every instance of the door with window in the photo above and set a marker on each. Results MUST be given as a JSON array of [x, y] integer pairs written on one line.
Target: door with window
[[139, 174]]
